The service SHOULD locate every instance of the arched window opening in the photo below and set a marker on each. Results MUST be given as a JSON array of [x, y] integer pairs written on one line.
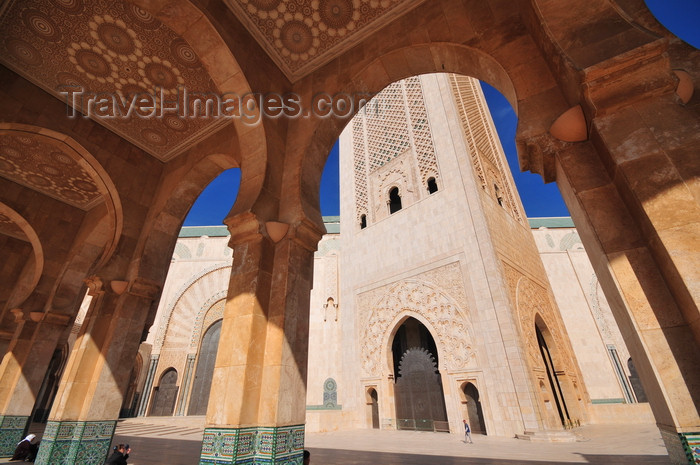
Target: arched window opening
[[363, 221], [394, 200], [432, 185], [497, 191]]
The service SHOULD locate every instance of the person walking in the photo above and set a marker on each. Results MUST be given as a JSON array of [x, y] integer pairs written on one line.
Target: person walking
[[467, 433]]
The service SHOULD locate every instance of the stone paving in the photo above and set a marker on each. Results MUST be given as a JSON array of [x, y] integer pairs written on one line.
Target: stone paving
[[173, 441]]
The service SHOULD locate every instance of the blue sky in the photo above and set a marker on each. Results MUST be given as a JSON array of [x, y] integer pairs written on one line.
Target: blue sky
[[679, 16]]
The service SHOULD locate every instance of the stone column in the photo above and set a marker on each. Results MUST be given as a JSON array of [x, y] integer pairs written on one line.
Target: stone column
[[257, 404], [22, 371], [631, 197], [84, 414]]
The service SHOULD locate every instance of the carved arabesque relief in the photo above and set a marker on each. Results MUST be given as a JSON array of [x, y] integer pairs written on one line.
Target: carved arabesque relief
[[531, 300], [447, 321]]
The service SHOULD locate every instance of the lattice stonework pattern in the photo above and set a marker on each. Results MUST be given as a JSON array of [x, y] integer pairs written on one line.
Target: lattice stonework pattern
[[448, 321], [484, 149], [11, 430], [360, 166], [83, 442], [394, 121], [282, 445], [420, 127]]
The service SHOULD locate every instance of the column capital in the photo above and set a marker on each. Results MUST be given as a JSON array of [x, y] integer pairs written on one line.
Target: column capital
[[94, 284], [244, 227], [142, 287], [307, 234]]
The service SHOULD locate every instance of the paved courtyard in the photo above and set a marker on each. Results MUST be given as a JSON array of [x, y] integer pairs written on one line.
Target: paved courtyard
[[179, 444], [176, 441]]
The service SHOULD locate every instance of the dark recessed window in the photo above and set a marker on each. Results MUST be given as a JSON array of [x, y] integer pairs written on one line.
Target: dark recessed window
[[497, 191], [394, 200], [363, 221], [432, 186]]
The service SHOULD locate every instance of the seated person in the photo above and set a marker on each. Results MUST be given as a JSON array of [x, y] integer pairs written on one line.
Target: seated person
[[26, 449]]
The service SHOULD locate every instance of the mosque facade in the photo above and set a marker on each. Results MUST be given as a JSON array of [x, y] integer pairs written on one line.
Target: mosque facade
[[434, 300]]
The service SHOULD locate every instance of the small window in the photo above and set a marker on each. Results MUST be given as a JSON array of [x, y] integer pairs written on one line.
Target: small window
[[498, 194], [363, 221], [432, 186], [394, 200]]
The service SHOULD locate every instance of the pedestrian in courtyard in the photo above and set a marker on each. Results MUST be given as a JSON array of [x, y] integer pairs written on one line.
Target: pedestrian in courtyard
[[467, 433], [307, 457], [26, 449], [119, 456]]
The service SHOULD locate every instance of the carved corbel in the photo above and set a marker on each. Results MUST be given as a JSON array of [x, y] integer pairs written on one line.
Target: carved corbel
[[276, 230], [570, 126]]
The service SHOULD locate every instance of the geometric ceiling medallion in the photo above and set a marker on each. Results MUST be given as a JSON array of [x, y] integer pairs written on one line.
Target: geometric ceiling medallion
[[78, 50], [303, 35], [50, 166]]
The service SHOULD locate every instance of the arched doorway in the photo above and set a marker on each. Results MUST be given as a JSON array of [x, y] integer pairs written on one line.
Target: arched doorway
[[373, 403], [164, 394], [131, 397], [474, 415], [205, 370], [418, 395], [555, 388], [47, 393]]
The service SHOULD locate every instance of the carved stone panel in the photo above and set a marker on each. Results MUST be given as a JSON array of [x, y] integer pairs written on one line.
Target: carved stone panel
[[447, 321]]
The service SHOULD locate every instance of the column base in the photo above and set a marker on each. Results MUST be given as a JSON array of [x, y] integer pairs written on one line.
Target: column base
[[11, 432], [691, 444], [683, 448], [282, 445], [83, 442]]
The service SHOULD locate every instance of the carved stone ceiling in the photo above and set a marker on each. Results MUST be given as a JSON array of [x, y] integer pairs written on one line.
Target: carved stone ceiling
[[302, 35], [110, 47], [48, 166]]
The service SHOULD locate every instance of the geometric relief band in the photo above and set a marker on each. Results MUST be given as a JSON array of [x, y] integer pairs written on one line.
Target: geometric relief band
[[252, 446], [11, 432], [83, 442]]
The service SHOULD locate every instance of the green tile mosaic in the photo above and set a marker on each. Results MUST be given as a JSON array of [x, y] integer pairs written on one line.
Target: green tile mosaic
[[252, 446], [83, 442], [11, 432]]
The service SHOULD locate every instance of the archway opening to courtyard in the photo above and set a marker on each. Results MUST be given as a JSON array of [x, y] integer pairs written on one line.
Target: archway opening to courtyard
[[419, 398]]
